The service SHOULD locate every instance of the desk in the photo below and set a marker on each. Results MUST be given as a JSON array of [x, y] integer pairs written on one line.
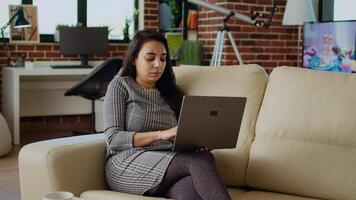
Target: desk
[[40, 92]]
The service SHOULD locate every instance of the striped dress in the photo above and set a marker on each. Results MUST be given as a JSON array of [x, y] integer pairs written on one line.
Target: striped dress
[[129, 108]]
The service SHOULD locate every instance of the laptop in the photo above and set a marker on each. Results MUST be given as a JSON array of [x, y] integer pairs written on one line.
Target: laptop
[[209, 121]]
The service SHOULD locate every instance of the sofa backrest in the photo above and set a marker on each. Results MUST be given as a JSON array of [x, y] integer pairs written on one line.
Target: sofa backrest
[[305, 140], [245, 81]]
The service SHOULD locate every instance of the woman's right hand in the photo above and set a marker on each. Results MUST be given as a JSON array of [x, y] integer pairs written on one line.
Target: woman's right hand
[[169, 134], [147, 138]]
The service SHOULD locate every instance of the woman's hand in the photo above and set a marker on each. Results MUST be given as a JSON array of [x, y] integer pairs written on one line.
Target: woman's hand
[[169, 134], [146, 138]]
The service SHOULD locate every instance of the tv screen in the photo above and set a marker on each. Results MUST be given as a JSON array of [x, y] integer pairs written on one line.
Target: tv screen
[[330, 46]]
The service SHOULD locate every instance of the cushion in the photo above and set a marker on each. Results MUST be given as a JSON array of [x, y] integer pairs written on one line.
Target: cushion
[[239, 81], [306, 135], [111, 195], [261, 195], [235, 193]]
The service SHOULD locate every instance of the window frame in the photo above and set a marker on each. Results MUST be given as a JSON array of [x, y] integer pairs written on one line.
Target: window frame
[[82, 18], [326, 10]]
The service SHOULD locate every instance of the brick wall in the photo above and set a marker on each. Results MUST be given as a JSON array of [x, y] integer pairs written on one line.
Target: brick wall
[[151, 14], [50, 51], [269, 47]]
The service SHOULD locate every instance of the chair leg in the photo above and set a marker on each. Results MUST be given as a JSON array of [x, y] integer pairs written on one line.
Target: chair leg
[[92, 125], [93, 130]]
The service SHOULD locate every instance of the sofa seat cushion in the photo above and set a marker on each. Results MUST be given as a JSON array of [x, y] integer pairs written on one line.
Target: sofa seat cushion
[[261, 195], [112, 195], [235, 193]]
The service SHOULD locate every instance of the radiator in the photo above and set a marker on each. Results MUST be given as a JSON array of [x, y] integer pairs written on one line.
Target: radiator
[[46, 98]]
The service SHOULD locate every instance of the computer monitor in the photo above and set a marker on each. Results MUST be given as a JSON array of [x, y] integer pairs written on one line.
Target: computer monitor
[[83, 41], [330, 46]]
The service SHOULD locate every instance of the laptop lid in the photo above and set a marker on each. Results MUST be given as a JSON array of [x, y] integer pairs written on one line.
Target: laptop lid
[[209, 121]]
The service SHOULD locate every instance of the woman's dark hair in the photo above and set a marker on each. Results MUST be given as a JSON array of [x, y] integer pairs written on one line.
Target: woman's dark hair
[[167, 83]]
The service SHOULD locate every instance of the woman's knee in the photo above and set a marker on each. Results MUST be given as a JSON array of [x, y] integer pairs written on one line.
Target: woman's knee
[[195, 158], [205, 156]]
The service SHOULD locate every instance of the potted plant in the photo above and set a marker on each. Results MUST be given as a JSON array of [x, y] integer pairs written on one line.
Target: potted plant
[[176, 12], [125, 31], [128, 22], [191, 52], [56, 32]]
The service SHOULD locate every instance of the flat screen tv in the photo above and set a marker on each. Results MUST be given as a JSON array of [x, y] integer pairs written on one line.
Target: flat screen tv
[[330, 46]]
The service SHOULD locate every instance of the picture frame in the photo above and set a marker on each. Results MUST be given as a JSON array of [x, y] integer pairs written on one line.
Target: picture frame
[[330, 46], [28, 34]]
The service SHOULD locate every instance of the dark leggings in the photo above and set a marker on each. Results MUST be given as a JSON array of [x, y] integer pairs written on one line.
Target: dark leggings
[[192, 176]]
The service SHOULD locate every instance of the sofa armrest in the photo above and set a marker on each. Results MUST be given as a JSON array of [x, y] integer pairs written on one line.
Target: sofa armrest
[[74, 164]]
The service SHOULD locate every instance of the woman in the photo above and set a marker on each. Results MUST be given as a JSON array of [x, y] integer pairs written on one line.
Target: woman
[[141, 108]]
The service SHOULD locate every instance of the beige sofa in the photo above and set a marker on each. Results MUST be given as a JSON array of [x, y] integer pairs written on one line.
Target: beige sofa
[[297, 140]]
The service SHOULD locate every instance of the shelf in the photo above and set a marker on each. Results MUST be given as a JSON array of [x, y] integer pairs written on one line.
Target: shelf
[[188, 17]]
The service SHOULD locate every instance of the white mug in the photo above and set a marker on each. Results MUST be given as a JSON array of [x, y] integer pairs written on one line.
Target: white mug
[[58, 195]]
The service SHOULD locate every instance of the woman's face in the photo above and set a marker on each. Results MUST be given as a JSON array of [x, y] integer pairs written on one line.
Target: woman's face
[[327, 41], [150, 63]]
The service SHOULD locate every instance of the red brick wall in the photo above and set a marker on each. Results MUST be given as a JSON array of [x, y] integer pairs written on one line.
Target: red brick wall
[[50, 51], [269, 47], [44, 127], [151, 14]]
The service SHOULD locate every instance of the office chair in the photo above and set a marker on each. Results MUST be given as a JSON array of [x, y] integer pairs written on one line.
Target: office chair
[[94, 85]]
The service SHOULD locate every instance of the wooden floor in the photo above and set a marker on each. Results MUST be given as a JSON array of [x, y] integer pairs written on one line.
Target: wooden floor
[[9, 176], [9, 173]]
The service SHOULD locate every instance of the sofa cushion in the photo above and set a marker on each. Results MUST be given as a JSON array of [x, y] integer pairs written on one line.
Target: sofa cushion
[[245, 81], [235, 193], [305, 135], [261, 195], [111, 195]]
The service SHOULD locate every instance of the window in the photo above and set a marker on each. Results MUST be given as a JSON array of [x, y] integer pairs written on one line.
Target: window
[[52, 13], [111, 13], [4, 13], [344, 10]]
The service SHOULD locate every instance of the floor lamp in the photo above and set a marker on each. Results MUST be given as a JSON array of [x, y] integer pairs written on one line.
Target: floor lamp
[[296, 13], [20, 20]]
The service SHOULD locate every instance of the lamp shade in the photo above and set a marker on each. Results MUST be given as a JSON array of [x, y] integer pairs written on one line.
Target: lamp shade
[[298, 11], [21, 20]]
